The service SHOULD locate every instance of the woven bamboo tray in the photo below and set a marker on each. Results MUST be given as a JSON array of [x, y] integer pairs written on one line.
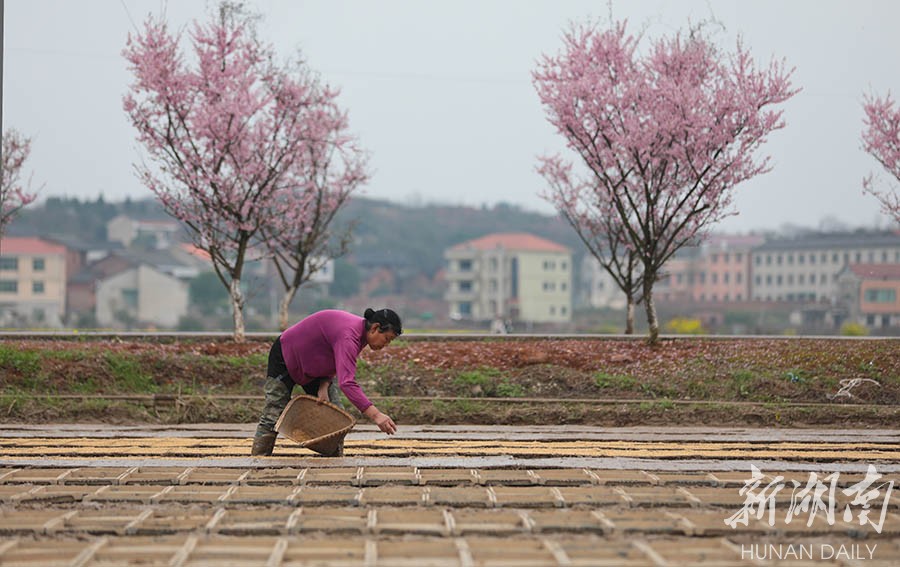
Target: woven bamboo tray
[[319, 426]]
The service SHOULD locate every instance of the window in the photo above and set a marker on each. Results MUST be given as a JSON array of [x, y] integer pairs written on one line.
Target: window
[[778, 280], [549, 265], [725, 258], [465, 308], [37, 287], [768, 259], [790, 259], [492, 286], [714, 258], [9, 286], [801, 279], [778, 260], [823, 278], [465, 265], [758, 260], [739, 277], [465, 286], [757, 280], [9, 264], [552, 310], [812, 258], [769, 280], [714, 277], [563, 265], [801, 258], [549, 286], [493, 264], [37, 265], [563, 286], [876, 295], [790, 279], [130, 297], [737, 257], [725, 277], [563, 310]]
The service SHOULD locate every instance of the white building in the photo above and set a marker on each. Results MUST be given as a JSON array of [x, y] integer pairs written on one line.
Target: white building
[[514, 276]]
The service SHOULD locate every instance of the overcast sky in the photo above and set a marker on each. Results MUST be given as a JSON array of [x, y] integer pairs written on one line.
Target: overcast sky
[[440, 91]]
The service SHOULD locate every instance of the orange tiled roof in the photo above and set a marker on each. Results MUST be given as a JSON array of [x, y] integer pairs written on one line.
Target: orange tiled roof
[[877, 271], [520, 241], [29, 245]]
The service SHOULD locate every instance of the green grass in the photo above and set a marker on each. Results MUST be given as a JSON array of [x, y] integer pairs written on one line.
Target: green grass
[[741, 382], [128, 375], [614, 381], [27, 363]]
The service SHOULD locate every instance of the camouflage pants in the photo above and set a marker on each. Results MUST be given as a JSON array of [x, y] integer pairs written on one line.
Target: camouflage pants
[[278, 393]]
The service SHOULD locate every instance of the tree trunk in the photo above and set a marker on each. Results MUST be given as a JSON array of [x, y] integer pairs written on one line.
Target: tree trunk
[[652, 322], [237, 306], [284, 305], [629, 314]]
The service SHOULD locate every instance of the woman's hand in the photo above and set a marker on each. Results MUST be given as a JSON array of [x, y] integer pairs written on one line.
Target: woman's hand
[[323, 391], [385, 423], [382, 420]]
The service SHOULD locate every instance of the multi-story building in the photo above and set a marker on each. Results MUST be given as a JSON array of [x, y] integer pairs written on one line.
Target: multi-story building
[[146, 288], [154, 233], [598, 289], [32, 282], [723, 268], [806, 268], [515, 276], [717, 271], [869, 295]]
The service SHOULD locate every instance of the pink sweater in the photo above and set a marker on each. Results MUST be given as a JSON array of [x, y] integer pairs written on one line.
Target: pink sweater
[[324, 345]]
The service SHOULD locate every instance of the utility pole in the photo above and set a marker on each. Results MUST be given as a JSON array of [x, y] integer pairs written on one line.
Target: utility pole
[[1, 67]]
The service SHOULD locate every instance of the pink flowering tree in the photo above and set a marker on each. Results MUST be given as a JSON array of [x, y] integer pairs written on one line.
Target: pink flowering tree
[[224, 130], [300, 238], [665, 136], [598, 227], [881, 139], [15, 192]]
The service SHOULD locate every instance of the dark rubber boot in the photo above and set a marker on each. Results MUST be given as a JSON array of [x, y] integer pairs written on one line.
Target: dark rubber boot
[[263, 445]]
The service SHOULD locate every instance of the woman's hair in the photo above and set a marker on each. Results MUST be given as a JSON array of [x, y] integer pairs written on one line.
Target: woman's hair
[[387, 320]]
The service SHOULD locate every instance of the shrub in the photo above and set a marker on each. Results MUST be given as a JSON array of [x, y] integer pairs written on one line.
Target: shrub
[[854, 330], [685, 326]]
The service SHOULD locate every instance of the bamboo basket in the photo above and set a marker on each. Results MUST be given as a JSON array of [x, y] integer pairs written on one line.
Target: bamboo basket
[[319, 426]]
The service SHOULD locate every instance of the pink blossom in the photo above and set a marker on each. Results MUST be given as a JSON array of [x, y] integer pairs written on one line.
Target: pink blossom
[[881, 139], [14, 192], [229, 135], [665, 136]]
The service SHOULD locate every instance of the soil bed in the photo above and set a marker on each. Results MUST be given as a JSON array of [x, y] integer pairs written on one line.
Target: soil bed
[[728, 381]]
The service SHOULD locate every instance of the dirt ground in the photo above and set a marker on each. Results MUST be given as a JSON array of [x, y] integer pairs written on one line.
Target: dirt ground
[[754, 381]]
